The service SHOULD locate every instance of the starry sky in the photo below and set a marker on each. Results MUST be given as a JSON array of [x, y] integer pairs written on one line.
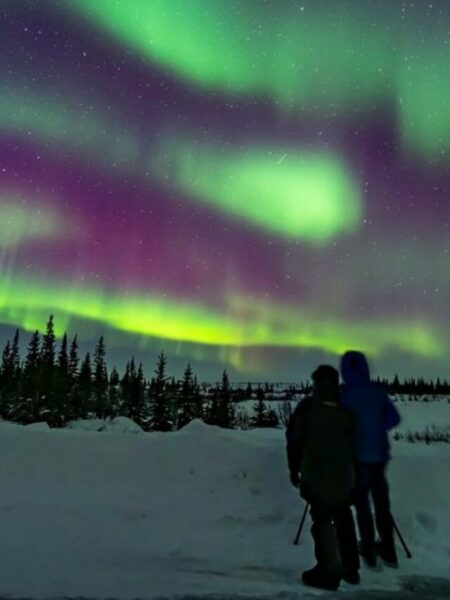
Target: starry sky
[[257, 185]]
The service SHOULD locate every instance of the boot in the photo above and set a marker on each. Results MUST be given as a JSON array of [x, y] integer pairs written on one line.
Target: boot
[[351, 577], [386, 551], [318, 578], [327, 573]]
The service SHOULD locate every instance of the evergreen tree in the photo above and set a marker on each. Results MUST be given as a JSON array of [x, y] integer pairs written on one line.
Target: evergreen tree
[[82, 406], [113, 394], [5, 381], [212, 413], [264, 416], [15, 361], [100, 380], [62, 386], [189, 400], [159, 401], [395, 387], [48, 347], [31, 378], [73, 360], [63, 359], [125, 392], [225, 404], [47, 401], [140, 408], [135, 405]]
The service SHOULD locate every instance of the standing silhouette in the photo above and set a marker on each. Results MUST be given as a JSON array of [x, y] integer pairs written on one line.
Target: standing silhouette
[[376, 415], [320, 447]]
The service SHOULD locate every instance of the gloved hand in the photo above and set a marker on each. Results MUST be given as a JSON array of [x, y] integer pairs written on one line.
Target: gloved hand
[[295, 479]]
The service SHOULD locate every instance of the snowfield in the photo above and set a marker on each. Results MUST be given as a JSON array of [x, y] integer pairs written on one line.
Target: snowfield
[[199, 511]]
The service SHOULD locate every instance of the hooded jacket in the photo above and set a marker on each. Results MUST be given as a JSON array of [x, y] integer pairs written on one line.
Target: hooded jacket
[[369, 401], [320, 445]]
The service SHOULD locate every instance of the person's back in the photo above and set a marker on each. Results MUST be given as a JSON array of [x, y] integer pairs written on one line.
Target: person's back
[[327, 458], [376, 415], [320, 446]]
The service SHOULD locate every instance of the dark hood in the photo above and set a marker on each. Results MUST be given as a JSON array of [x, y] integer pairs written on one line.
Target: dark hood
[[354, 368]]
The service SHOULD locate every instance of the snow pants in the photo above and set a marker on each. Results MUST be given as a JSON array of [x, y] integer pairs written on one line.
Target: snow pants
[[371, 480], [334, 535]]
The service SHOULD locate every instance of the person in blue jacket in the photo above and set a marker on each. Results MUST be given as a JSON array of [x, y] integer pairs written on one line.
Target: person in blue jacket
[[376, 415]]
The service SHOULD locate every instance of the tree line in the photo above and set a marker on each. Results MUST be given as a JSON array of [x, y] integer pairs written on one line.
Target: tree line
[[56, 385]]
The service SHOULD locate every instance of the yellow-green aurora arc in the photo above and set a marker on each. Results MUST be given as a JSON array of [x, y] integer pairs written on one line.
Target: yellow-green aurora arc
[[241, 322]]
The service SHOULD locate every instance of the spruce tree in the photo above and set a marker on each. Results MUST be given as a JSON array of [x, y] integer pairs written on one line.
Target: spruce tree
[[100, 380], [225, 408], [48, 347], [15, 361], [83, 399], [62, 385], [47, 401], [113, 394], [31, 377], [264, 416], [139, 404], [63, 359], [12, 406], [73, 360], [5, 381], [221, 410], [189, 400], [212, 413], [125, 392], [159, 401], [133, 394]]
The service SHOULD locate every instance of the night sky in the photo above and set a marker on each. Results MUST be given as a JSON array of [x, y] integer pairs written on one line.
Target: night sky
[[245, 184]]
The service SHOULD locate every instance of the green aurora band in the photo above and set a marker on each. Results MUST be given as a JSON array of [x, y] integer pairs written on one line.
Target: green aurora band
[[310, 196], [241, 322], [312, 59], [305, 195]]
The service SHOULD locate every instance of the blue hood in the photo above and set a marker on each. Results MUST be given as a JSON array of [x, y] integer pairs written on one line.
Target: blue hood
[[354, 368]]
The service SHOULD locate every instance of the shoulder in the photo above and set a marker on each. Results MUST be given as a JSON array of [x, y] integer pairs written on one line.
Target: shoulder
[[300, 410], [303, 406]]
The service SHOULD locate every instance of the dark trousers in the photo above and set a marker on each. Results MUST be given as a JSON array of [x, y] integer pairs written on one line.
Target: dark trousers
[[371, 480], [334, 535]]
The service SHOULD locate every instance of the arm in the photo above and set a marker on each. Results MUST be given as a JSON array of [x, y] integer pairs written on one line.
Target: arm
[[294, 439]]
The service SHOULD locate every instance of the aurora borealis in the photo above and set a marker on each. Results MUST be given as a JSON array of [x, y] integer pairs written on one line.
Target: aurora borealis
[[256, 185]]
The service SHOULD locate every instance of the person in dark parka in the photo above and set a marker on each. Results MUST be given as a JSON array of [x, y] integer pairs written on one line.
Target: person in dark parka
[[376, 415], [320, 446]]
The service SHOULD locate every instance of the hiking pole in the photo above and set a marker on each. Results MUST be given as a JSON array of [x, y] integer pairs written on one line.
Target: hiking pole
[[397, 531], [300, 527]]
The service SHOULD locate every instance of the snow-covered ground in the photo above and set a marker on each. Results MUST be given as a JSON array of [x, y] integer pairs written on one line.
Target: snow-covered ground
[[199, 511], [417, 415]]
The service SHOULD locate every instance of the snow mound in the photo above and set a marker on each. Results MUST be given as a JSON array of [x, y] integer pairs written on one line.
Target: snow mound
[[198, 427], [123, 425], [116, 425], [39, 426]]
